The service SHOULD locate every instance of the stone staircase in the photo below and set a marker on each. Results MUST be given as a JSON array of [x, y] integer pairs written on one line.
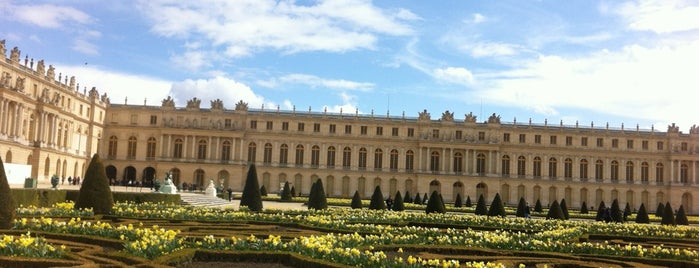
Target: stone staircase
[[202, 200]]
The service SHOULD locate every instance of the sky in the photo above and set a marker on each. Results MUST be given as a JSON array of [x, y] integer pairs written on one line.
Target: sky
[[591, 62]]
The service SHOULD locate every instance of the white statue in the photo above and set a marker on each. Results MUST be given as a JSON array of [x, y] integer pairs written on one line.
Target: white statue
[[168, 187], [210, 189]]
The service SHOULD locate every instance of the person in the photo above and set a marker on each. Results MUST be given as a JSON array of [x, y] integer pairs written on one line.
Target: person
[[70, 180], [230, 194], [389, 203]]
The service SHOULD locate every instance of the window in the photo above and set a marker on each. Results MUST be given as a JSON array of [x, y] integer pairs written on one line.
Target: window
[[134, 119], [253, 124], [583, 141], [506, 165], [659, 170], [660, 146], [629, 171], [284, 154], [599, 170], [481, 136], [153, 118], [684, 173], [537, 167], [568, 168], [285, 126], [506, 137], [270, 125], [458, 165], [300, 127], [378, 159], [331, 157], [411, 132], [615, 143], [644, 145], [521, 166], [683, 146], [435, 133], [346, 157], [614, 176], [226, 151], [227, 123], [644, 172], [629, 144], [112, 149], [600, 142], [316, 128], [267, 154], [393, 161], [348, 129], [362, 158], [522, 138], [537, 139], [363, 130], [409, 157], [252, 152], [569, 141], [150, 148], [583, 169], [315, 156], [394, 132], [480, 164], [553, 140], [379, 131], [177, 149], [299, 155], [332, 128], [434, 161], [201, 149], [553, 167]]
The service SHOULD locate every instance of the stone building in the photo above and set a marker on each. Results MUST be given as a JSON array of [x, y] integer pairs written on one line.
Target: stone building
[[348, 151]]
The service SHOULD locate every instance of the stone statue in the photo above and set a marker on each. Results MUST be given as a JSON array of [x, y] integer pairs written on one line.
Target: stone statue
[[494, 119], [168, 187], [72, 82], [93, 93], [104, 98], [470, 118], [14, 55], [241, 106], [673, 128], [217, 104], [3, 50], [210, 189], [40, 67], [194, 103], [448, 116], [19, 85], [169, 102], [694, 129], [5, 80], [424, 115], [50, 73]]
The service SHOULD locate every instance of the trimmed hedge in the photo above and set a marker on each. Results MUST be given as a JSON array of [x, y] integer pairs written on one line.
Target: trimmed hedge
[[7, 204], [48, 197], [94, 191]]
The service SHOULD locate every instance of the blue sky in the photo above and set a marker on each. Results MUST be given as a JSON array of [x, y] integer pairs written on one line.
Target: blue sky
[[615, 62]]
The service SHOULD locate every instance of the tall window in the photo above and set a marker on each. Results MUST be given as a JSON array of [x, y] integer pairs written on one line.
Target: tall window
[[583, 169], [267, 154], [131, 152], [521, 166], [201, 149], [458, 163], [553, 167], [331, 157], [599, 170], [614, 176], [177, 149], [659, 170], [684, 173], [112, 150], [506, 165], [299, 155], [409, 161], [629, 171], [284, 154], [568, 168], [434, 161], [378, 159], [226, 151], [252, 152], [480, 163], [644, 172], [393, 161], [150, 148], [362, 158], [346, 157]]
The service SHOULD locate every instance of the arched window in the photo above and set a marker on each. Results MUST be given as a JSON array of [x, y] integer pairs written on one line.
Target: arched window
[[330, 161], [629, 171], [684, 173], [267, 154], [458, 166], [112, 148], [537, 167], [521, 166], [175, 173], [553, 167], [583, 169], [599, 170], [201, 149], [284, 154], [480, 164], [226, 151], [506, 165], [409, 161], [659, 172], [346, 157], [614, 171], [393, 161], [315, 156], [299, 155], [568, 168], [199, 178], [378, 159], [252, 152], [434, 161], [644, 172], [177, 149], [150, 148], [362, 158], [131, 149]]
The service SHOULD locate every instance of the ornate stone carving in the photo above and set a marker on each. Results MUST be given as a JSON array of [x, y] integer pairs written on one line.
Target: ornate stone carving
[[56, 98], [694, 129], [470, 118], [40, 67], [424, 115], [93, 93], [494, 119], [14, 55], [44, 95], [104, 98], [19, 84], [448, 116], [72, 82], [5, 80], [169, 102], [217, 104], [194, 103], [50, 73], [3, 50], [241, 106], [673, 128]]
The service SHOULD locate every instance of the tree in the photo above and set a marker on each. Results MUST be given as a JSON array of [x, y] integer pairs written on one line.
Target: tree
[[424, 198], [407, 199], [7, 204], [564, 208], [538, 207], [555, 212], [293, 191], [356, 200], [627, 211], [398, 202], [583, 208], [642, 216], [668, 215], [497, 208], [317, 199], [521, 208], [417, 200], [377, 201], [681, 218], [468, 201], [481, 209], [94, 191], [263, 191], [251, 193], [600, 211], [616, 212], [659, 211], [458, 203], [435, 204], [286, 192]]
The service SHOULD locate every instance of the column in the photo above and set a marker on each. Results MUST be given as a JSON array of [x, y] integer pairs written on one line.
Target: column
[[2, 115], [16, 131], [162, 145], [672, 171], [419, 159], [475, 162], [445, 167], [498, 165], [694, 172]]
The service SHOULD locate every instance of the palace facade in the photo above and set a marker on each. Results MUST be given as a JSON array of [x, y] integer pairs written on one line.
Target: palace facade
[[50, 125]]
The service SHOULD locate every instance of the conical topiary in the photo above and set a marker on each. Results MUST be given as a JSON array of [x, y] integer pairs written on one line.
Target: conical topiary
[[564, 208], [600, 211], [286, 192], [555, 212], [458, 203], [627, 211], [659, 211], [668, 215], [424, 198], [398, 202], [497, 208], [417, 200], [468, 201], [407, 199], [642, 216], [7, 204], [435, 204], [293, 191], [616, 212], [377, 201], [94, 190], [317, 199], [538, 207], [356, 200], [681, 218], [481, 209], [251, 193], [521, 208], [263, 191], [583, 208]]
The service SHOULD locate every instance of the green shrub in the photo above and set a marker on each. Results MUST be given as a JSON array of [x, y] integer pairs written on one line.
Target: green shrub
[[468, 201], [377, 201], [642, 216], [627, 211], [564, 208], [356, 200], [317, 199], [668, 215], [583, 208], [659, 211], [286, 192], [7, 204], [555, 212], [435, 204], [600, 211], [263, 191], [94, 190], [497, 208], [481, 208], [398, 202], [521, 208], [417, 200], [251, 193], [458, 203], [616, 212], [681, 218], [424, 198], [407, 199], [538, 207], [293, 191]]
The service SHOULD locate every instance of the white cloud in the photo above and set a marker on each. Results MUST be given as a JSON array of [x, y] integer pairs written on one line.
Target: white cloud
[[488, 49], [478, 18], [315, 81], [46, 16], [348, 106], [85, 47], [456, 75], [661, 16], [191, 60], [246, 27], [228, 90]]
